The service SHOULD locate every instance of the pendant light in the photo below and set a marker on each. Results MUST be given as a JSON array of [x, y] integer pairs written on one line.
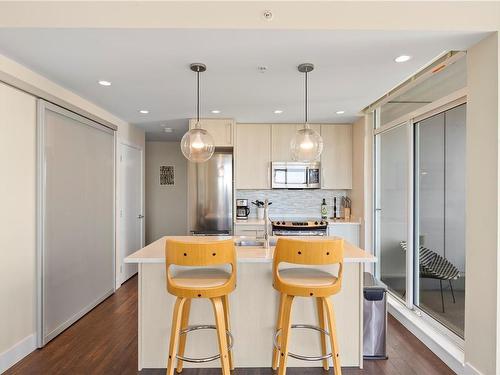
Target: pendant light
[[197, 144], [307, 144]]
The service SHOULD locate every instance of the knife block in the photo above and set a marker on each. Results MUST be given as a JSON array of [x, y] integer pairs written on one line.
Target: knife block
[[347, 214]]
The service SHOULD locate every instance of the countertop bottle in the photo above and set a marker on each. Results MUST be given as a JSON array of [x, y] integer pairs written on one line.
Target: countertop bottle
[[324, 210]]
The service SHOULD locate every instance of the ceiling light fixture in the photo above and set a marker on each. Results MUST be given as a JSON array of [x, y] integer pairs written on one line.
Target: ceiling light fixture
[[278, 111], [340, 112], [144, 111], [168, 130], [104, 83], [402, 58], [197, 144], [215, 111], [307, 144]]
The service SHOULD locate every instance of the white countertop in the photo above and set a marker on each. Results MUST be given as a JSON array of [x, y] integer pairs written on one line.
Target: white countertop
[[155, 252]]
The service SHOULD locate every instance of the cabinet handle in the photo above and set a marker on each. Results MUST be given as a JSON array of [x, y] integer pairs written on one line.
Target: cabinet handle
[[269, 176]]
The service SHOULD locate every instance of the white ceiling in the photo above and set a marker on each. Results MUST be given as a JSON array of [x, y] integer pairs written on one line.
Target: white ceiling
[[149, 69]]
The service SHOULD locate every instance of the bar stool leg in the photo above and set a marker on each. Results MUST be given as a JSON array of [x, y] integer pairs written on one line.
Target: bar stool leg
[[175, 333], [279, 322], [285, 333], [321, 318], [225, 303], [333, 335], [221, 334], [182, 339]]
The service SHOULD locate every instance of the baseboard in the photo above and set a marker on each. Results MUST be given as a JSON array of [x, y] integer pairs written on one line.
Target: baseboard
[[471, 370], [439, 344], [20, 350]]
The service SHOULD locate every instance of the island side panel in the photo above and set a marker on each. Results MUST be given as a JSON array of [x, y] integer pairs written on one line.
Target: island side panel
[[253, 308]]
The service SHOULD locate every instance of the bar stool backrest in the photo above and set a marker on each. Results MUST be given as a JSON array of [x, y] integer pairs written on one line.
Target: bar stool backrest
[[310, 252], [200, 254]]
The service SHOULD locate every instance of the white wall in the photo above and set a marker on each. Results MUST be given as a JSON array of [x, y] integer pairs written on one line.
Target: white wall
[[166, 206], [17, 222], [482, 165], [358, 176], [17, 199]]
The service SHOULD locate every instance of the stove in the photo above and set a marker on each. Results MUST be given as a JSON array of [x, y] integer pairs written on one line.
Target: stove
[[299, 227]]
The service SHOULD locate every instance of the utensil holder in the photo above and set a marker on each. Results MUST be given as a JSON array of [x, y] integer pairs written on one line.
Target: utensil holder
[[260, 213]]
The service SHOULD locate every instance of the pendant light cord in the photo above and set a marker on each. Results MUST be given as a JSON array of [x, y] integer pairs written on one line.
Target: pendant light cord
[[197, 98], [305, 123]]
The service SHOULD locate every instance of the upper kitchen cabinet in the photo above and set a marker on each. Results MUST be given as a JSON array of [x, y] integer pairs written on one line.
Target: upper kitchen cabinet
[[282, 135], [336, 159], [220, 129], [253, 156]]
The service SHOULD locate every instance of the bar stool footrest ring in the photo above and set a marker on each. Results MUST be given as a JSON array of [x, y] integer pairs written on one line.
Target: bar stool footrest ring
[[204, 359], [300, 356]]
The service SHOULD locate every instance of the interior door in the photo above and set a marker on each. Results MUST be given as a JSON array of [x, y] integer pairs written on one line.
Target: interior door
[[131, 213]]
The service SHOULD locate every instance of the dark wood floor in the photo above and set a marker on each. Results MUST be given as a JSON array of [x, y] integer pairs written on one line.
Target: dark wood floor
[[105, 342]]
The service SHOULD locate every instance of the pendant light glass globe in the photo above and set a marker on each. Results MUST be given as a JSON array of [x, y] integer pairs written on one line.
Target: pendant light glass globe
[[306, 145], [197, 145]]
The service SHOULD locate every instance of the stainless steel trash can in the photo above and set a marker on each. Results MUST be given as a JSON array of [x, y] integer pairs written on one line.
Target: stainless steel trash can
[[374, 318]]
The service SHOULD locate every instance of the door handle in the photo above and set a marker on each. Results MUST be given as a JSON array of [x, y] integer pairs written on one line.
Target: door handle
[[140, 216]]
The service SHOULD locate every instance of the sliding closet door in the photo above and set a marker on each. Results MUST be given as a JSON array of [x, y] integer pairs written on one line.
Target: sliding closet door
[[76, 218]]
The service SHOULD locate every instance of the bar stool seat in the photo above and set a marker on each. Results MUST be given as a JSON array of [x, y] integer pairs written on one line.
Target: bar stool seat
[[201, 278], [307, 277], [307, 282]]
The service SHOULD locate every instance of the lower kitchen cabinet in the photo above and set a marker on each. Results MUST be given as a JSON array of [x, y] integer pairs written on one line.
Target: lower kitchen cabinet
[[348, 231], [256, 231]]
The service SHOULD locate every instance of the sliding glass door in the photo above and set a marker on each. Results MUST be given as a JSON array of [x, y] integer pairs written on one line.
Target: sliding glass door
[[420, 212], [440, 217], [391, 206]]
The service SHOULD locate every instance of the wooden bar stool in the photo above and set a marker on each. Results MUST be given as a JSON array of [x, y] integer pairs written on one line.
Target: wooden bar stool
[[212, 283], [307, 282]]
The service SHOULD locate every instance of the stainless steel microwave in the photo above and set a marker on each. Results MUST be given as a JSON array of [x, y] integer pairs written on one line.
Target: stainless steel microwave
[[295, 175]]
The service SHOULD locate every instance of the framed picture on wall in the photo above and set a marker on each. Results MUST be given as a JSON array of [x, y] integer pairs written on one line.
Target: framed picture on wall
[[167, 175]]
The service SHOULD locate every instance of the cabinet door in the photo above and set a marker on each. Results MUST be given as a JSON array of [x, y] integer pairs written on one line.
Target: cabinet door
[[282, 135], [336, 159], [253, 156], [220, 129], [349, 232]]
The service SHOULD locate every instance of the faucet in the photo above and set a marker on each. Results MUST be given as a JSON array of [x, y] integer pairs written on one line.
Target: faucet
[[266, 223]]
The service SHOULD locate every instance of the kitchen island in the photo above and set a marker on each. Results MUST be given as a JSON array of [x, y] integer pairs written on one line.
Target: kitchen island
[[253, 309]]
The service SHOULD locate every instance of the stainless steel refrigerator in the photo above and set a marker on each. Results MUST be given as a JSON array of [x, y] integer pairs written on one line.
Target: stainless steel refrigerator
[[210, 195]]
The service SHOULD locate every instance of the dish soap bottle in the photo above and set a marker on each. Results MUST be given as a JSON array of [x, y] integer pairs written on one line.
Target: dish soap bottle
[[324, 210]]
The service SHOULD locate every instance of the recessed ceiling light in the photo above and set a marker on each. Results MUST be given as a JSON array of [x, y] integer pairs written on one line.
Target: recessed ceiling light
[[402, 58], [104, 83], [144, 111], [340, 112], [278, 111], [168, 130], [215, 111]]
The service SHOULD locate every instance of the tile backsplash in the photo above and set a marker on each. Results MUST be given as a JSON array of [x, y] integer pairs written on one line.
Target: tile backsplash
[[305, 203]]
